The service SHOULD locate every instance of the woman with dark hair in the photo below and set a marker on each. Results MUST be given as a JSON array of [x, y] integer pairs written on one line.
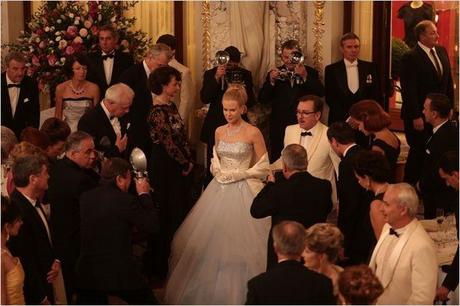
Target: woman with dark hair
[[373, 174], [57, 131], [76, 95], [358, 285], [171, 157], [372, 120], [12, 272]]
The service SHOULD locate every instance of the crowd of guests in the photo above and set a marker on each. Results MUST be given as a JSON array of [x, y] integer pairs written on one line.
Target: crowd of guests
[[72, 210]]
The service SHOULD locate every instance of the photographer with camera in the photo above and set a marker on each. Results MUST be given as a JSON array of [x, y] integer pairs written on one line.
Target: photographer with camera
[[215, 83], [282, 89], [108, 215]]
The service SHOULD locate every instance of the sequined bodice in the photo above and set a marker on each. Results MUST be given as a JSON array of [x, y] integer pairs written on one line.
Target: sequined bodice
[[233, 156]]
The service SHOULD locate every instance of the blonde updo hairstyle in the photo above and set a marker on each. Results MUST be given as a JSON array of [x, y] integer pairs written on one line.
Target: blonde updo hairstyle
[[237, 93], [324, 238]]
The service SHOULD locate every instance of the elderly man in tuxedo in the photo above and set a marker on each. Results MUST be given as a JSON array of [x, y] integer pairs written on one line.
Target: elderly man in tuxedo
[[435, 193], [33, 244], [289, 282], [107, 122], [311, 134], [425, 69], [109, 214], [108, 63], [404, 258], [136, 77], [184, 100], [349, 80], [20, 104], [69, 178], [301, 197]]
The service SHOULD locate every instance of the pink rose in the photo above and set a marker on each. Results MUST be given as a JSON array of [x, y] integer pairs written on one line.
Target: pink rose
[[35, 60], [69, 50], [77, 47], [94, 30], [42, 45], [83, 32], [78, 40], [72, 31], [52, 59], [87, 24]]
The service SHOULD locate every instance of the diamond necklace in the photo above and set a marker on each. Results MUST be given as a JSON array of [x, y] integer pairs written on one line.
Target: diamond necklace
[[76, 91], [231, 133]]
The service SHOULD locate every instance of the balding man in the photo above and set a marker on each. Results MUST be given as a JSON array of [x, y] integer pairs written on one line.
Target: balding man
[[404, 258], [136, 77], [425, 69], [107, 122]]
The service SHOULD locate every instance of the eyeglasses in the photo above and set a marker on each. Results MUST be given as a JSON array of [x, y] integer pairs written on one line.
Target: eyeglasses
[[303, 114]]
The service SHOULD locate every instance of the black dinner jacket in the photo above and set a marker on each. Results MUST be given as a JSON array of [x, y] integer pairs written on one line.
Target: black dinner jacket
[[419, 78], [353, 215], [28, 108], [212, 93], [339, 98], [108, 216], [138, 134], [67, 182], [33, 248], [445, 139], [96, 123], [302, 198], [290, 283], [96, 73]]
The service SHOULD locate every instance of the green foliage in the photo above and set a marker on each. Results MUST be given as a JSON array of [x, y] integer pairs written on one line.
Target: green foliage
[[398, 49]]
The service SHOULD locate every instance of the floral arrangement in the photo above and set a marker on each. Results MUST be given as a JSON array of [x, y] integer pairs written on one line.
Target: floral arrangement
[[60, 29]]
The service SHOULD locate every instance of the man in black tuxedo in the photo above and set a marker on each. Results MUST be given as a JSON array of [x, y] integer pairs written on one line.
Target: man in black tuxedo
[[69, 178], [353, 199], [448, 171], [33, 244], [435, 193], [20, 103], [136, 77], [215, 83], [349, 80], [425, 69], [283, 94], [108, 215], [290, 282], [107, 122], [299, 197], [108, 63]]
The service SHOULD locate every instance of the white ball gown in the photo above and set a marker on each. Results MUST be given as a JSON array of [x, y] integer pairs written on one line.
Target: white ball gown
[[219, 246]]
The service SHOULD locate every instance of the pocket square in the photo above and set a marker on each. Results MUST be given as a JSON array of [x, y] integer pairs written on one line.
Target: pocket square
[[26, 100], [369, 79]]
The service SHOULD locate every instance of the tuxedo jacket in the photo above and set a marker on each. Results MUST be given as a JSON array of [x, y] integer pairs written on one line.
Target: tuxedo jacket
[[353, 214], [322, 161], [290, 283], [67, 182], [108, 216], [419, 78], [28, 108], [33, 248], [302, 198], [411, 271], [211, 93], [339, 98], [445, 139], [96, 123], [96, 73], [138, 134], [283, 99]]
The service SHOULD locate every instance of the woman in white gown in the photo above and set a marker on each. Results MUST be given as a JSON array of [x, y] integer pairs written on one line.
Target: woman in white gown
[[219, 246]]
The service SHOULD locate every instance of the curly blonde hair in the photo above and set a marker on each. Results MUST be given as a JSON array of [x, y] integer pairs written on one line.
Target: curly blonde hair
[[359, 286], [324, 238]]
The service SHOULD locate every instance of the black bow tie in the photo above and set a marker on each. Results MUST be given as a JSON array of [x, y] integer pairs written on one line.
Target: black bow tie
[[393, 232], [111, 55], [14, 85], [303, 134]]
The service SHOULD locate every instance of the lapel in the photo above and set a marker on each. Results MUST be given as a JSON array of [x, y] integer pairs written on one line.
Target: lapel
[[106, 124], [362, 72], [116, 66], [22, 96], [294, 136], [100, 68], [444, 63], [6, 103], [342, 80], [313, 145], [428, 63]]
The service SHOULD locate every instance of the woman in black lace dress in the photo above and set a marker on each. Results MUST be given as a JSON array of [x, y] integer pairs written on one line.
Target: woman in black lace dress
[[374, 121], [170, 160]]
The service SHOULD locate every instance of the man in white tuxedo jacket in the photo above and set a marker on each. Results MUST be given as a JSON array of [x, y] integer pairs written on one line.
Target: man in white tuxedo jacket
[[404, 258], [323, 162]]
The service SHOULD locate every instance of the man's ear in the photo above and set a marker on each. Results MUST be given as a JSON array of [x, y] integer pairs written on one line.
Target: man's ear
[[119, 181]]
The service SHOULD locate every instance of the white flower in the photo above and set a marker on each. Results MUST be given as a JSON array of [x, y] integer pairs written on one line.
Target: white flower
[[37, 40], [83, 32], [62, 59], [99, 6], [57, 33], [62, 44], [47, 29], [113, 19], [76, 22], [71, 15], [52, 28], [58, 38], [59, 21]]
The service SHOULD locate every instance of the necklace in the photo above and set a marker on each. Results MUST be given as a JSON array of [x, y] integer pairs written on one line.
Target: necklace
[[383, 188], [235, 131], [76, 91]]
